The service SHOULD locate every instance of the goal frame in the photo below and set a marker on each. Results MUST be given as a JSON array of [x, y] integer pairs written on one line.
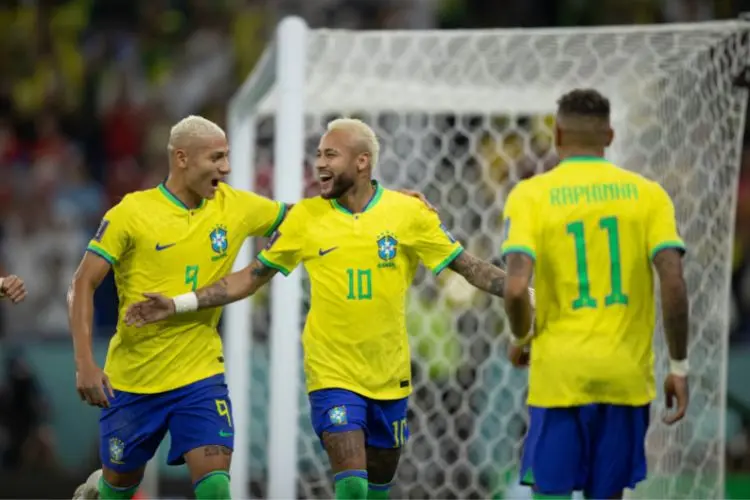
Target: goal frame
[[283, 67]]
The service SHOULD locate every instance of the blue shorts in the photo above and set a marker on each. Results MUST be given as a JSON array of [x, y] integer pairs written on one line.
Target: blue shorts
[[338, 410], [134, 425], [598, 449]]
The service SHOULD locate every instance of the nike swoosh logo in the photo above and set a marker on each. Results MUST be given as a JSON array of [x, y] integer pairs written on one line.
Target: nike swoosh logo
[[322, 252], [159, 247], [225, 434]]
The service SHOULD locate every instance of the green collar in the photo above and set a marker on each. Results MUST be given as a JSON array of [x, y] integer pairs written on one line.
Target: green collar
[[584, 159], [171, 197], [373, 201]]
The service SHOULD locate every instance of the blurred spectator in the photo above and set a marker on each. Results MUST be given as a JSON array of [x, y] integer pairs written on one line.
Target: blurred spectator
[[24, 416]]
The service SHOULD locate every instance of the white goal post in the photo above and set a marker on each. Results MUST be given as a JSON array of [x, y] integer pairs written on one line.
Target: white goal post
[[462, 115]]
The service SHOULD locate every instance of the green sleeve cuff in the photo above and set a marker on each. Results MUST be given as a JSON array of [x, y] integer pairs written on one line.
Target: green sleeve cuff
[[283, 270], [519, 249], [101, 253], [447, 261], [279, 219], [677, 245]]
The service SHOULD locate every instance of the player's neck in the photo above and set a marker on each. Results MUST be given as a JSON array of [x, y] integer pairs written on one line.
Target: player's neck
[[578, 152], [356, 199], [180, 191]]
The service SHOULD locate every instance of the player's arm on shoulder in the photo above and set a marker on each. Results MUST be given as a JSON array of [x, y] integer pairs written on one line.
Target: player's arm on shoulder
[[480, 273], [235, 286]]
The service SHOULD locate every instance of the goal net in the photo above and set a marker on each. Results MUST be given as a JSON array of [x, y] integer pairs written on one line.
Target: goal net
[[462, 116]]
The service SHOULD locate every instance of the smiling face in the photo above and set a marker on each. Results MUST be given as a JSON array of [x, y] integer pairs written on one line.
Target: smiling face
[[340, 160], [204, 162]]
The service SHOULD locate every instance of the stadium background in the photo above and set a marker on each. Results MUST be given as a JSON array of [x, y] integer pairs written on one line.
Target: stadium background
[[88, 90]]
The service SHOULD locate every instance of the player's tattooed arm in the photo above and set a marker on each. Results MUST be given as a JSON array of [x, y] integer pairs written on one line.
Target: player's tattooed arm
[[674, 301], [519, 268], [479, 273], [235, 286]]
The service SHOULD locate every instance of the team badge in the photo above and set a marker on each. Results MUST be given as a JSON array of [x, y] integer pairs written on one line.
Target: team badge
[[337, 415], [387, 249], [116, 450], [219, 242], [447, 233]]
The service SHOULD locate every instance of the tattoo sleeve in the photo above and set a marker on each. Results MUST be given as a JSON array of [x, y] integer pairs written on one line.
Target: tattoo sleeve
[[479, 273], [517, 303], [236, 286], [674, 301]]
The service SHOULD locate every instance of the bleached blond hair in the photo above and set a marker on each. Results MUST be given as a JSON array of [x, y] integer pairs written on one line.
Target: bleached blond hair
[[190, 127], [362, 132]]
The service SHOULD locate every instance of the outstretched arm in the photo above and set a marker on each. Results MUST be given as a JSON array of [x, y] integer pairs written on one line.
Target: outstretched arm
[[235, 286], [479, 273], [517, 300], [231, 288]]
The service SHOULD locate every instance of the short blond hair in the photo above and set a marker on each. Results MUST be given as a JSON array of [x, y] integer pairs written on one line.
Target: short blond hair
[[190, 127], [362, 132]]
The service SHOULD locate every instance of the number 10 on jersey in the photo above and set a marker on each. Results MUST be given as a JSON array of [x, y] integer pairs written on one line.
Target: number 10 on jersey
[[616, 295]]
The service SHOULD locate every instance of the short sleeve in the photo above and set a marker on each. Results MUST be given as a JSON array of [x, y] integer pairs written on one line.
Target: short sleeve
[[432, 242], [662, 228], [284, 251], [519, 223], [262, 216], [113, 237]]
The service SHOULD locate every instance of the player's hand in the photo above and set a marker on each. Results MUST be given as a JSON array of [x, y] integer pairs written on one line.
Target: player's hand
[[417, 194], [519, 355], [677, 394], [155, 308], [13, 288], [93, 385]]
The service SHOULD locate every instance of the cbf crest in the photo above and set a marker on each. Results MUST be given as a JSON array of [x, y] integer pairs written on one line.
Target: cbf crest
[[337, 415], [219, 242], [116, 450], [387, 249]]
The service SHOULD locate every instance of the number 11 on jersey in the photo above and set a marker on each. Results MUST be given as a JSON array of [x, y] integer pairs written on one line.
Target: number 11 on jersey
[[616, 295]]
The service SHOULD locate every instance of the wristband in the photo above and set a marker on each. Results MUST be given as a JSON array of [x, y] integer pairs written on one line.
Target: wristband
[[678, 368], [187, 302]]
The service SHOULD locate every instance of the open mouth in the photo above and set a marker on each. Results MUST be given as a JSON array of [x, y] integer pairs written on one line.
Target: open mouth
[[325, 177], [215, 182]]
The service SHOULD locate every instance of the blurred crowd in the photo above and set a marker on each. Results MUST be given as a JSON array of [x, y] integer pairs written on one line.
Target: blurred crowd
[[89, 89]]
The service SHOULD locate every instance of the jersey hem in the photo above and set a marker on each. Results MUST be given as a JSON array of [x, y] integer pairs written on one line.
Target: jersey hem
[[272, 265], [677, 245], [447, 261], [545, 403], [519, 249], [134, 389], [278, 221], [391, 396], [102, 253]]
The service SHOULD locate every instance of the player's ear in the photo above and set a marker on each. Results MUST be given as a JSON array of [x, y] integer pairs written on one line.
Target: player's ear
[[558, 136], [610, 136], [181, 158], [363, 161]]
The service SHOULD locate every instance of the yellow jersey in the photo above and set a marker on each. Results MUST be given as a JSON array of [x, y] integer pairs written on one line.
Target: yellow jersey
[[592, 229], [156, 244], [360, 266]]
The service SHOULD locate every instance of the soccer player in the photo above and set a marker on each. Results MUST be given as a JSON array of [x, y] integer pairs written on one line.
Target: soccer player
[[176, 237], [361, 244], [590, 232]]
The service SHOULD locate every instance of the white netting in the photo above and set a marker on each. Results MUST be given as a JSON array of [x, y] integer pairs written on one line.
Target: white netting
[[462, 116]]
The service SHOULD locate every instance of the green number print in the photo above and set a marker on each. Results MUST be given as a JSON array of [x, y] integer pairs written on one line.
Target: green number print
[[191, 277], [363, 278], [616, 296], [399, 432]]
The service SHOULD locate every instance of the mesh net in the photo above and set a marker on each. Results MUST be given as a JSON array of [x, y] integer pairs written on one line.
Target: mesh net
[[462, 116]]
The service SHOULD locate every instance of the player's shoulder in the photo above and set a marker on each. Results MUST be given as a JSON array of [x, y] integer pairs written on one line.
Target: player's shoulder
[[135, 202], [392, 199], [312, 207], [645, 185]]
